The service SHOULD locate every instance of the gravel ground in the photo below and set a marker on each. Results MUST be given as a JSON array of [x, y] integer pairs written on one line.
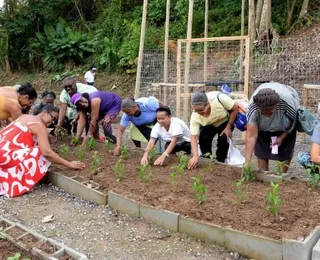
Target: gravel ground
[[100, 233]]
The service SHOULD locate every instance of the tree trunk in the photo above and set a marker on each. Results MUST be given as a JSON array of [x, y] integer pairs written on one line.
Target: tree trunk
[[290, 12], [304, 8], [259, 12], [6, 58]]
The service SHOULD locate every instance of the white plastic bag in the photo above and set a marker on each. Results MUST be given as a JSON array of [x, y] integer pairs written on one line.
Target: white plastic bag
[[234, 156]]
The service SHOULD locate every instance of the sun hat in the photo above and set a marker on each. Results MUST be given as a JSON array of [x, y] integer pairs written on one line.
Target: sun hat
[[75, 98]]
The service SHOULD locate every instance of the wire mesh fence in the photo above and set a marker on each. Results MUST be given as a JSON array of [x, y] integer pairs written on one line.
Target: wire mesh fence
[[291, 61]]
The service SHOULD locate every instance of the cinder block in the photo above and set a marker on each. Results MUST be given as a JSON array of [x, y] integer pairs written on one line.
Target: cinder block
[[72, 186], [201, 230], [316, 251], [296, 250], [257, 247], [123, 204], [163, 218]]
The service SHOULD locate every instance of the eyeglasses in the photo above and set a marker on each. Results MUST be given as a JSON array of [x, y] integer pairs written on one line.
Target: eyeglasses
[[202, 111], [53, 117]]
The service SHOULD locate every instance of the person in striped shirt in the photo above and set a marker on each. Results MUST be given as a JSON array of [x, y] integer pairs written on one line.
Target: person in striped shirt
[[271, 114]]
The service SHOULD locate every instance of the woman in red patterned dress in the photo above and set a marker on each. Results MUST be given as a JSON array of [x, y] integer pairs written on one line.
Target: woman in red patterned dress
[[23, 163]]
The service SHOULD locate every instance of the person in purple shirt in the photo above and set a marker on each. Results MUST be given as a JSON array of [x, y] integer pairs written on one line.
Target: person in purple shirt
[[102, 106]]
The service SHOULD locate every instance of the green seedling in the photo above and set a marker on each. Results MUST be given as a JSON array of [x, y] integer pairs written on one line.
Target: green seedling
[[108, 143], [16, 257], [92, 144], [63, 133], [119, 170], [312, 173], [279, 169], [200, 189], [179, 170], [80, 153], [247, 172], [64, 150], [152, 154], [273, 199], [145, 173], [95, 163], [124, 152], [241, 191], [74, 139], [210, 156]]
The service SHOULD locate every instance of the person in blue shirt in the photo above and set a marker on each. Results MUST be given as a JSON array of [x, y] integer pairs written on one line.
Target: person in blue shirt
[[141, 113]]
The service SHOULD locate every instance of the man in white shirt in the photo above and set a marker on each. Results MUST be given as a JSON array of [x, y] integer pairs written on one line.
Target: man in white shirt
[[173, 131], [90, 76]]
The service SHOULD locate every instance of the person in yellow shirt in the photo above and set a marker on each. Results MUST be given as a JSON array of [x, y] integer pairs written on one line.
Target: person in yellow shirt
[[211, 115]]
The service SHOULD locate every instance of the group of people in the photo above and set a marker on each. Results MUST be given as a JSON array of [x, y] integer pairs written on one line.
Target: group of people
[[26, 153]]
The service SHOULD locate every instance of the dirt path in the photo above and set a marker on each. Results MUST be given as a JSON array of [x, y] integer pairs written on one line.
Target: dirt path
[[99, 232]]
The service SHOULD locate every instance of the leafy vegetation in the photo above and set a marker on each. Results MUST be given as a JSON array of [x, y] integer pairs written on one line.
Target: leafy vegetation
[[119, 170], [64, 35], [247, 172], [64, 150], [80, 153], [273, 199], [145, 172], [95, 163], [92, 144], [241, 191], [200, 189], [313, 176], [124, 152], [179, 169]]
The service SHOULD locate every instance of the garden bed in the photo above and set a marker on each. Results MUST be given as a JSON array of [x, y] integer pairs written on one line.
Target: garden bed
[[7, 249], [298, 214]]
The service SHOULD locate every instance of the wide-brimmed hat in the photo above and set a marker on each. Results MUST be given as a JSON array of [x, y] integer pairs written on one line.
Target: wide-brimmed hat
[[75, 98]]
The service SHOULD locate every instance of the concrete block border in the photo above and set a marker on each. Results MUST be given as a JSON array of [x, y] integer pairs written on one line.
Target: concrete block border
[[253, 246], [84, 189], [59, 249]]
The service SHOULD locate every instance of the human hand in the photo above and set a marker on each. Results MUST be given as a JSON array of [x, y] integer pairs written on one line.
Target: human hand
[[144, 160], [160, 160], [77, 165], [85, 139], [57, 130], [277, 142], [227, 131], [116, 150], [193, 162]]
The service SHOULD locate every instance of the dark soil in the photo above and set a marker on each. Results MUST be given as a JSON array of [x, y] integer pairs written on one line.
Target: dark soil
[[15, 232], [3, 225], [7, 250], [45, 247], [299, 213], [29, 241], [65, 257]]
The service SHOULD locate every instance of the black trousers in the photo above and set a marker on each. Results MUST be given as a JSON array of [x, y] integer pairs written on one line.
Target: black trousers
[[184, 146], [145, 131], [207, 133]]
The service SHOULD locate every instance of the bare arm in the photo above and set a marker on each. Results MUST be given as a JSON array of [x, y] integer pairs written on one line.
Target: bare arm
[[194, 148], [62, 113], [40, 131], [81, 124], [251, 138], [120, 132], [95, 107], [151, 143], [14, 109], [315, 153]]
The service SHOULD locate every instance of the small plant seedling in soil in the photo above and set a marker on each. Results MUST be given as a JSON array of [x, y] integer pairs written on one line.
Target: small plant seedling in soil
[[200, 189], [64, 150], [241, 191], [63, 133], [210, 156], [16, 257], [74, 140], [313, 175], [273, 199], [152, 155], [179, 170], [247, 172], [80, 153], [279, 169], [124, 152], [119, 170], [145, 173], [92, 144], [108, 143], [95, 163]]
